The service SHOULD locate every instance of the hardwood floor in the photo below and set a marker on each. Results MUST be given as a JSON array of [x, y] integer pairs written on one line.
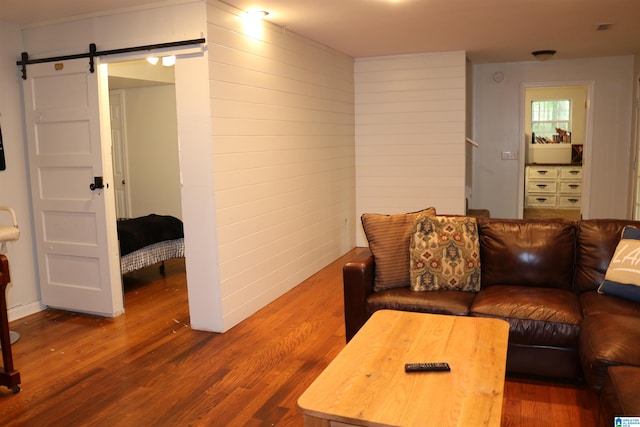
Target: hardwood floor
[[148, 368]]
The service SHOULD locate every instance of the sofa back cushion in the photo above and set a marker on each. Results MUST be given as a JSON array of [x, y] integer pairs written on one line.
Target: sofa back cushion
[[529, 252], [389, 237], [597, 240]]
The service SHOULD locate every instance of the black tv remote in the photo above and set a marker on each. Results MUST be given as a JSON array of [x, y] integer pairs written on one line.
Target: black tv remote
[[427, 367]]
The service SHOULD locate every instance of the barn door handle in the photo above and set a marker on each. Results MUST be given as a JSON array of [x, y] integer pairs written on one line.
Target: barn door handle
[[97, 183]]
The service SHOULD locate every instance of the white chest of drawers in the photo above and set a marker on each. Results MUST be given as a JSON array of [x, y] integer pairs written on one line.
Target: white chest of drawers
[[557, 187]]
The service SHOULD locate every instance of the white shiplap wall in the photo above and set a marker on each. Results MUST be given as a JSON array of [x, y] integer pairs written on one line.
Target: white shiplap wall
[[410, 134], [284, 159]]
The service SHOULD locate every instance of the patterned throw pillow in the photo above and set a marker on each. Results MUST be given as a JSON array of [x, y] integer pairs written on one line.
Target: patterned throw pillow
[[388, 237], [445, 254], [623, 275]]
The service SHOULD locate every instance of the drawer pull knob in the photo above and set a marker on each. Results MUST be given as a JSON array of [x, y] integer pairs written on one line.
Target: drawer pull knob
[[542, 172], [573, 186], [541, 199], [542, 185], [574, 172], [573, 200]]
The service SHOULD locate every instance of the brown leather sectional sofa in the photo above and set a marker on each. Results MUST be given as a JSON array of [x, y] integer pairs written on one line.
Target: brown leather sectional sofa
[[542, 277]]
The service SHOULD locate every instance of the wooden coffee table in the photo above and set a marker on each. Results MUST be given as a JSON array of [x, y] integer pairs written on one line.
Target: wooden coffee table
[[366, 385]]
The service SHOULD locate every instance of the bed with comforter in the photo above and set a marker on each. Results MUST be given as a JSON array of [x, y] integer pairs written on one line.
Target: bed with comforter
[[149, 240]]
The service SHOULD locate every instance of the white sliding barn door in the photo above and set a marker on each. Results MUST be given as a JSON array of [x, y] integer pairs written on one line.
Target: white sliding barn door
[[75, 226]]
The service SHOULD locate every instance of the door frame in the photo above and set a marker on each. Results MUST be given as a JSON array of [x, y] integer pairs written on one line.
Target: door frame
[[196, 175], [586, 163]]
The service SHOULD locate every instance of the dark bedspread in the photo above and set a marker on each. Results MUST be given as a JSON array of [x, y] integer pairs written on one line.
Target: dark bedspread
[[136, 233]]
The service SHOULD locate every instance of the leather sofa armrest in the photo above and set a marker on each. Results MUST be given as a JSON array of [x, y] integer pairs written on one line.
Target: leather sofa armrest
[[358, 278]]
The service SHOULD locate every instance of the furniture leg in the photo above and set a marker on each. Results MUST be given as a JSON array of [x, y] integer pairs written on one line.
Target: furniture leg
[[9, 377]]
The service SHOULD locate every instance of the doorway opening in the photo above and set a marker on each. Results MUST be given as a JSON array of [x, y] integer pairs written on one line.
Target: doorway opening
[[191, 74], [556, 125], [144, 139], [146, 169]]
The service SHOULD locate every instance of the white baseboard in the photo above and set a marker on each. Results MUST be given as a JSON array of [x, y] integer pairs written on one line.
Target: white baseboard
[[21, 311]]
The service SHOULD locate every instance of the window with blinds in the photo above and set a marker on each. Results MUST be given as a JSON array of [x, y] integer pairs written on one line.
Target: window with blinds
[[548, 115]]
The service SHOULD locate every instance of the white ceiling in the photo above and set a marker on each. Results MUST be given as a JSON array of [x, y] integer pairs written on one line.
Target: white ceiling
[[489, 30]]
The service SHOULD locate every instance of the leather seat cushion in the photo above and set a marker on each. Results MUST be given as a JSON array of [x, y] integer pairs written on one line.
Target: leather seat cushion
[[607, 340], [594, 303], [435, 302], [537, 316]]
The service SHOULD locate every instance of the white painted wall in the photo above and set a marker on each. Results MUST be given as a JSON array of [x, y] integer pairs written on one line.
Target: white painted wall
[[470, 148], [282, 111], [152, 147], [23, 296], [198, 193], [410, 134], [497, 110]]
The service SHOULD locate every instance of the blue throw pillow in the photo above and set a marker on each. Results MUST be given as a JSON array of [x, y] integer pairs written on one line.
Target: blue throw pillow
[[623, 275]]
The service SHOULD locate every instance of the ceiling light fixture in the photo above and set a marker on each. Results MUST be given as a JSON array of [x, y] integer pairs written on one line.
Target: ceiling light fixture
[[543, 55], [168, 61], [253, 23]]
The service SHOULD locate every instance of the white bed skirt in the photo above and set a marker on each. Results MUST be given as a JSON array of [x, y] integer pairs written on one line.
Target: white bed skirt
[[152, 254]]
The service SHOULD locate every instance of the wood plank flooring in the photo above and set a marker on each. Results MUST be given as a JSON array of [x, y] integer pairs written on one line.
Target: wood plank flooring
[[149, 368]]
